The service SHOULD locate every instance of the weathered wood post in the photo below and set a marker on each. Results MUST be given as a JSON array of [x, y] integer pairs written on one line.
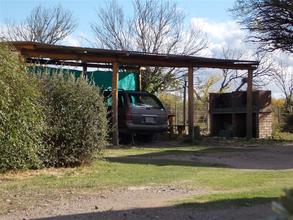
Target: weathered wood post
[[190, 103], [184, 101], [115, 77], [249, 104], [139, 78]]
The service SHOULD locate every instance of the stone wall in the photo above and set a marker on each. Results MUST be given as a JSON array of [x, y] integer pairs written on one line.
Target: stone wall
[[264, 125]]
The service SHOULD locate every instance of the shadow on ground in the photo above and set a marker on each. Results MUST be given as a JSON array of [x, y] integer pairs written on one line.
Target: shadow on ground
[[268, 158], [240, 209], [165, 158]]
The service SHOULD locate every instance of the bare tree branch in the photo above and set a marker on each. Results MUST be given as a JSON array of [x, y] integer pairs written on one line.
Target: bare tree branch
[[261, 75], [270, 22], [283, 78], [43, 25], [156, 27]]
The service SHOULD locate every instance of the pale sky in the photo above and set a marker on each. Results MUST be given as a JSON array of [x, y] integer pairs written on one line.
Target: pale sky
[[211, 15]]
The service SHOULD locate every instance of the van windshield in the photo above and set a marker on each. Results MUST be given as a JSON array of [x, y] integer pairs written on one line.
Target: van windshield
[[139, 100]]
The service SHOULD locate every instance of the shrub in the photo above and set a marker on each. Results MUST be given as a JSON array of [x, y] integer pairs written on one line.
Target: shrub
[[76, 120], [21, 119]]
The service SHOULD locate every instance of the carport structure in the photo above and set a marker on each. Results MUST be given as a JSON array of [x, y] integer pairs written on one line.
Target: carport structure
[[117, 59]]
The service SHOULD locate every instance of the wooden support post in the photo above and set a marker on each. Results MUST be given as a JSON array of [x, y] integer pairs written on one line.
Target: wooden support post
[[249, 104], [184, 101], [209, 119], [84, 70], [139, 80], [190, 103], [115, 77]]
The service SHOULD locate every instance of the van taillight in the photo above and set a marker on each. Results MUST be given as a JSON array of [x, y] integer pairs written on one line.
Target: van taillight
[[129, 114]]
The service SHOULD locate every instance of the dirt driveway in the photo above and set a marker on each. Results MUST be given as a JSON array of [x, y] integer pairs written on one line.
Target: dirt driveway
[[149, 202], [134, 203]]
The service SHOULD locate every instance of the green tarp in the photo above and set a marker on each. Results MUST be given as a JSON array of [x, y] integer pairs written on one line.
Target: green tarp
[[103, 79]]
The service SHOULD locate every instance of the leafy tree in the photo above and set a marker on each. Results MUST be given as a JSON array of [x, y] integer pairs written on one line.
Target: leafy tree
[[43, 25], [269, 21], [155, 27]]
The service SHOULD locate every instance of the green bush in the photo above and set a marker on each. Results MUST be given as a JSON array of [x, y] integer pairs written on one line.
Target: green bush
[[76, 120], [52, 120], [21, 119]]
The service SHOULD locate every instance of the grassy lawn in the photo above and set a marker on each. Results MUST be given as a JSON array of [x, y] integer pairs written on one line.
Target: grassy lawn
[[138, 166]]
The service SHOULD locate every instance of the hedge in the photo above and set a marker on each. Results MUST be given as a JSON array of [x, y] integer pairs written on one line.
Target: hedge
[[21, 117], [55, 120]]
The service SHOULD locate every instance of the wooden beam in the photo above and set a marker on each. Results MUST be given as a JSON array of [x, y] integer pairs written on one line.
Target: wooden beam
[[79, 64], [190, 103], [249, 104], [115, 77]]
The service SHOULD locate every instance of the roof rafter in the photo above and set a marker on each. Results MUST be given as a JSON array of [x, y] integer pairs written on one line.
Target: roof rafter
[[62, 54]]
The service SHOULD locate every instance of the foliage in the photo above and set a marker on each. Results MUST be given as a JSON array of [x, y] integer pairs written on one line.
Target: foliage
[[155, 27], [284, 207], [43, 25], [282, 136], [171, 102], [204, 89], [283, 119], [21, 118], [76, 119], [52, 120], [279, 103], [269, 21]]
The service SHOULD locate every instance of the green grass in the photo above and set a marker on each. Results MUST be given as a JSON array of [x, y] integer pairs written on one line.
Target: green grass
[[139, 166]]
